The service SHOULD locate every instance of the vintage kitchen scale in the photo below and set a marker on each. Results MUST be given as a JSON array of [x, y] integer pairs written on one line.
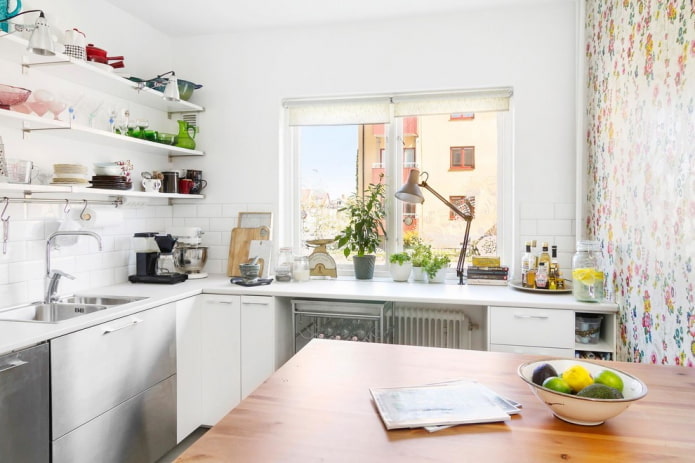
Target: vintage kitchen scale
[[321, 264]]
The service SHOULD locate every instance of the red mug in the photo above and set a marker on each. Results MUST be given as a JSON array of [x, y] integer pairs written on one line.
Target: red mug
[[185, 185]]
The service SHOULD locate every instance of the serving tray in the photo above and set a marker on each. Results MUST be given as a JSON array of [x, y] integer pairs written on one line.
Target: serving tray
[[565, 290]]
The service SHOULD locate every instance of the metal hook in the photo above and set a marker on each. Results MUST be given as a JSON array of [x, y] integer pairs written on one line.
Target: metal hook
[[66, 209], [2, 216], [84, 216]]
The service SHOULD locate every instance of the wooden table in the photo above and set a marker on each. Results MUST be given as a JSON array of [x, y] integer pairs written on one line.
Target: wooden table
[[317, 407]]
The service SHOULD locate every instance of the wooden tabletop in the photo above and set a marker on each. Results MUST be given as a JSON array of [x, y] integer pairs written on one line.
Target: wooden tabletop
[[317, 407]]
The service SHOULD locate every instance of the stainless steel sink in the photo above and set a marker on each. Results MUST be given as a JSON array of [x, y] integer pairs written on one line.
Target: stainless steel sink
[[65, 308]]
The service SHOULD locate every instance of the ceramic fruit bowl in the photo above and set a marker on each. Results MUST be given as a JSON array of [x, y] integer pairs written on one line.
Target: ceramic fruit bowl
[[10, 96], [574, 409]]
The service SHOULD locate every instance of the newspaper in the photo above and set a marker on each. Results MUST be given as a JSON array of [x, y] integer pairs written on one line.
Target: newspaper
[[437, 406]]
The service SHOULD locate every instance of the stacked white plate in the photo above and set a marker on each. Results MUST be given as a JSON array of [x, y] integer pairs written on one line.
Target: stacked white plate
[[69, 174]]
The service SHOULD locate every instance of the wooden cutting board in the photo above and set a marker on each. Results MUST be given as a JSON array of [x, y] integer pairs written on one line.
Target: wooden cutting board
[[239, 246]]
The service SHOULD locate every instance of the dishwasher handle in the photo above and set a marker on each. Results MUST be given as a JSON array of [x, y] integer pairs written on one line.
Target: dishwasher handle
[[11, 365]]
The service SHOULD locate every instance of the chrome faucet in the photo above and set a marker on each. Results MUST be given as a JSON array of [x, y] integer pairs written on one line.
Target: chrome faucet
[[53, 277]]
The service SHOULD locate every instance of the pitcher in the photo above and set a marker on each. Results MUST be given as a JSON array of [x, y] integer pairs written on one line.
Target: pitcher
[[186, 136], [6, 13]]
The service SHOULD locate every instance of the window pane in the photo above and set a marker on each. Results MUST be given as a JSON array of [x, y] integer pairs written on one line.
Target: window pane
[[442, 144], [335, 163]]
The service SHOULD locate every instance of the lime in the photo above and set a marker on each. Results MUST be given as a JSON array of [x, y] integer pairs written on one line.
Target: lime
[[557, 384], [610, 379], [577, 377]]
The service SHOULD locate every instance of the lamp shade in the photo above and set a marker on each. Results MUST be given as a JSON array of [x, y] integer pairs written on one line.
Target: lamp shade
[[40, 42], [171, 91], [410, 192]]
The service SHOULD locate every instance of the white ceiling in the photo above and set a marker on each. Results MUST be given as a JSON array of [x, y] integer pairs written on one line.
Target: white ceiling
[[181, 18]]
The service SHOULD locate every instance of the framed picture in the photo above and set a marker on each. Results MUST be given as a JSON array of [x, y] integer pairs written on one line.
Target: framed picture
[[256, 219]]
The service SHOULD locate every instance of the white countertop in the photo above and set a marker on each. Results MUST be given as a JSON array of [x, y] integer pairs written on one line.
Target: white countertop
[[18, 335]]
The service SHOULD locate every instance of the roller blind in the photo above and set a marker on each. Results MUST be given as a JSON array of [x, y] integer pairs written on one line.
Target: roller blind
[[376, 109]]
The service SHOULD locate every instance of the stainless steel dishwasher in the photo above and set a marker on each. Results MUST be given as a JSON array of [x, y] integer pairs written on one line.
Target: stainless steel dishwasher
[[24, 406]]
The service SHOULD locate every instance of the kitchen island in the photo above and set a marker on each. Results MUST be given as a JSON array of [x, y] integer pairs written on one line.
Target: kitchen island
[[317, 407]]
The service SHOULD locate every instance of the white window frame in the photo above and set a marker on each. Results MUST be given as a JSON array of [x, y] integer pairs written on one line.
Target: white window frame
[[289, 210]]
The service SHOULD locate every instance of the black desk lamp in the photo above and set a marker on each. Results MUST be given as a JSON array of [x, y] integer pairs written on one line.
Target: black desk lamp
[[410, 192]]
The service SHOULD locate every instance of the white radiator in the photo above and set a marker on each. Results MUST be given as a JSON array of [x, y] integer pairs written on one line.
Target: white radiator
[[431, 327]]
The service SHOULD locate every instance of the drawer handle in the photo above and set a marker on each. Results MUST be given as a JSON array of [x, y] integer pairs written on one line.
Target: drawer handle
[[539, 317], [256, 303], [134, 322], [222, 302], [12, 364]]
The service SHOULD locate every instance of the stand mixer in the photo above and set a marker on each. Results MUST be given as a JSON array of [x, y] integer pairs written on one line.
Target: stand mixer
[[190, 256]]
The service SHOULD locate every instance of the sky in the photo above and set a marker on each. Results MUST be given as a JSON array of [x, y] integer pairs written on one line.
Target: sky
[[328, 158]]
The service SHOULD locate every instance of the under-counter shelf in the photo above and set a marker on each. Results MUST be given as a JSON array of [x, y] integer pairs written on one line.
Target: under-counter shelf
[[81, 72], [29, 189], [30, 123]]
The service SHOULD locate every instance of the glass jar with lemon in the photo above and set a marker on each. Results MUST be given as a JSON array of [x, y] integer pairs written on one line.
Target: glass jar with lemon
[[587, 275]]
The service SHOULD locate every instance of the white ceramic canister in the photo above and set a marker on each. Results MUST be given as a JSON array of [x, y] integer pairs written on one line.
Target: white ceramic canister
[[76, 44]]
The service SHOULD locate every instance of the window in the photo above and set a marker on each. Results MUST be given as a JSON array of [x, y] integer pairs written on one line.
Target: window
[[462, 117], [338, 147], [462, 157], [458, 202]]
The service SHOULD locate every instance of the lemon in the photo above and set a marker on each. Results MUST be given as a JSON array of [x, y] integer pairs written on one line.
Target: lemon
[[609, 379], [587, 276], [577, 377], [557, 384]]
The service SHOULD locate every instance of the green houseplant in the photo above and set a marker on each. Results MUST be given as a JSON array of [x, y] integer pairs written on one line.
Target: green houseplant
[[436, 268], [421, 255], [401, 266], [362, 235]]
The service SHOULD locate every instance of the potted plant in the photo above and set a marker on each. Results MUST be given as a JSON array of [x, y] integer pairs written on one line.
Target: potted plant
[[362, 233], [436, 268], [401, 266], [421, 255]]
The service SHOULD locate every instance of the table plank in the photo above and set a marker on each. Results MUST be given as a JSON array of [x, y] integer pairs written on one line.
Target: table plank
[[317, 407]]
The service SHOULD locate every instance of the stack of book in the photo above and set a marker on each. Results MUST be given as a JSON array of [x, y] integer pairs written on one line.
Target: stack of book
[[487, 274]]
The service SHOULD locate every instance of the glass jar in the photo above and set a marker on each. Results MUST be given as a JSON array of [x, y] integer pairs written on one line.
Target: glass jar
[[283, 269], [300, 269], [587, 275]]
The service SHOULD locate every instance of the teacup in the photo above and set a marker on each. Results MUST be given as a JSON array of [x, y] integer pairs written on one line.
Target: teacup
[[151, 185]]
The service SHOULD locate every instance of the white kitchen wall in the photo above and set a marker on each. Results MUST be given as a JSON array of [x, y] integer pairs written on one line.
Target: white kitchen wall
[[245, 78]]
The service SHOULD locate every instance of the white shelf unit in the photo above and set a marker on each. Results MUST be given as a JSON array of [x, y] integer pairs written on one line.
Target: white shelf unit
[[81, 72], [28, 189]]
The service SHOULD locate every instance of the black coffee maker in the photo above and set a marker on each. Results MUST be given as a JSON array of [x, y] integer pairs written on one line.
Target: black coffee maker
[[147, 252]]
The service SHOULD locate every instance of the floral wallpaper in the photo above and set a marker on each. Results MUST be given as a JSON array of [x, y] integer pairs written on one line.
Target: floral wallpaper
[[640, 57]]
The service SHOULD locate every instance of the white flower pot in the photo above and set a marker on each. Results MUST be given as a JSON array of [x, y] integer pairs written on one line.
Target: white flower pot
[[418, 274], [440, 276], [401, 272]]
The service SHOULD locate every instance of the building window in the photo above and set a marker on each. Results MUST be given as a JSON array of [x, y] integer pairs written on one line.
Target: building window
[[409, 158], [462, 157]]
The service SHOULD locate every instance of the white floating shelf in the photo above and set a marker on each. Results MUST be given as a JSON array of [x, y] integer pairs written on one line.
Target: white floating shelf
[[28, 188], [83, 73]]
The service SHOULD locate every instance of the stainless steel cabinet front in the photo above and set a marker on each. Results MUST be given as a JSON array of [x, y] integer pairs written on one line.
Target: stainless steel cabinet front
[[140, 430], [24, 406], [98, 368]]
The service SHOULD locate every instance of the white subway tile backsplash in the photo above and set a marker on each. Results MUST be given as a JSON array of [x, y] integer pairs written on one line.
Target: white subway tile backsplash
[[537, 211], [4, 274], [202, 222], [556, 227], [232, 211], [528, 227], [184, 210], [221, 224], [564, 211], [212, 238], [212, 210]]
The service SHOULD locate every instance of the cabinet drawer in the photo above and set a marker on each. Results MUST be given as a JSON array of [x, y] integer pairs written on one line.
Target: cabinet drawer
[[525, 326], [140, 430], [549, 351], [97, 368]]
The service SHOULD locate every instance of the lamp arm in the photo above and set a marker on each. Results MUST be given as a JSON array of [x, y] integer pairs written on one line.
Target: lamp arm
[[467, 217]]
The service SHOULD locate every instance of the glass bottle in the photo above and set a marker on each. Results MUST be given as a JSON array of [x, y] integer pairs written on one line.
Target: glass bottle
[[300, 269], [554, 275], [587, 276], [544, 257], [542, 276], [283, 269], [526, 264]]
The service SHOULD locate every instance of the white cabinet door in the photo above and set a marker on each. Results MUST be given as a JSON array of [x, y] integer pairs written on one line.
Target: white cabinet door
[[220, 356], [188, 353], [257, 341]]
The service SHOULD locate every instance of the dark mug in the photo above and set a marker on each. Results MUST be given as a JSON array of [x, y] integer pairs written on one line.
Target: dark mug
[[194, 174], [170, 182], [198, 186]]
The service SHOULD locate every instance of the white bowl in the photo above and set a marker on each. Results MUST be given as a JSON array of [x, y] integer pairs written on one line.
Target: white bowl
[[583, 410], [108, 170]]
